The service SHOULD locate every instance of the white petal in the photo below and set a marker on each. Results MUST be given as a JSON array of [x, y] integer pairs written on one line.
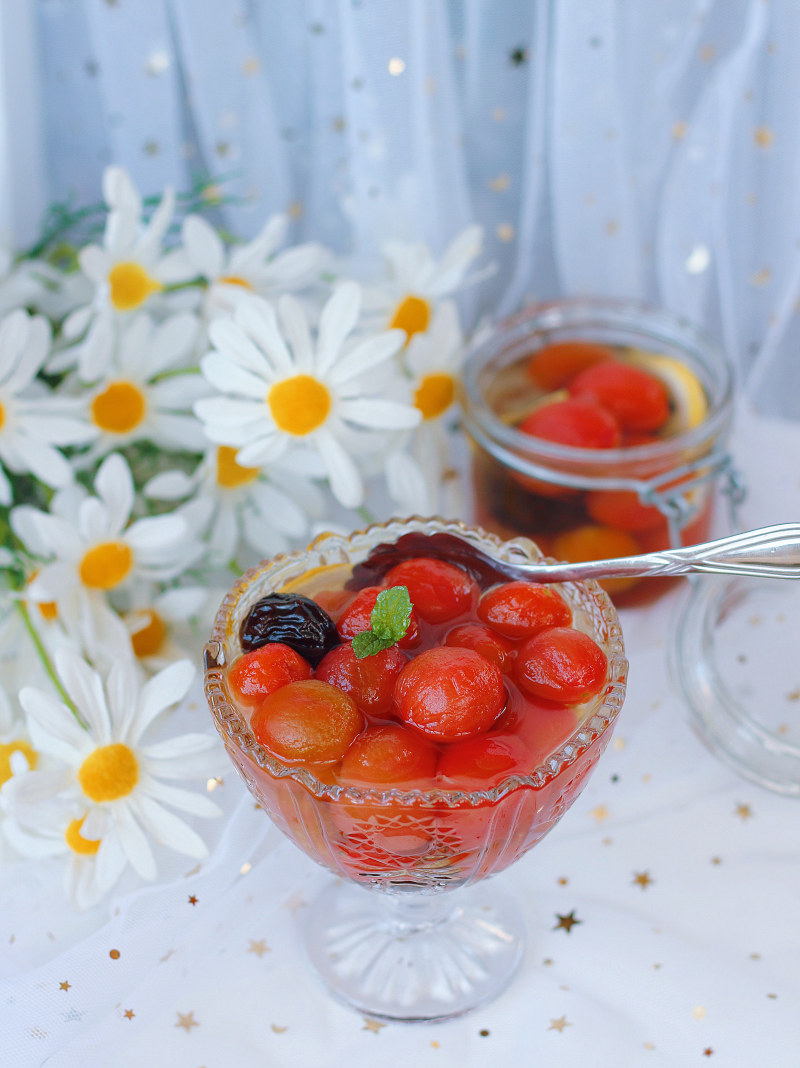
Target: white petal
[[169, 486], [110, 862], [179, 392], [185, 800], [54, 729], [175, 431], [228, 412], [44, 461], [155, 532], [114, 486], [122, 687], [85, 687], [160, 693], [228, 377], [343, 475], [278, 509], [368, 354], [167, 828], [119, 191], [262, 451], [253, 254], [231, 341], [380, 414], [133, 842], [258, 318], [338, 318], [456, 259], [182, 603], [406, 484], [295, 326], [203, 247]]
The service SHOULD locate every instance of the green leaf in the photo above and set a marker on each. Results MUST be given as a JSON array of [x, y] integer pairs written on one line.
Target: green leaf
[[388, 622]]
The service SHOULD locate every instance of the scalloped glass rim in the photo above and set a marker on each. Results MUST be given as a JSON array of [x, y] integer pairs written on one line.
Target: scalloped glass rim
[[231, 722], [626, 317]]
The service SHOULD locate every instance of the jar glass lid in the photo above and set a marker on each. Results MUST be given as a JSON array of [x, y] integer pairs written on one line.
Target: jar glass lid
[[735, 659]]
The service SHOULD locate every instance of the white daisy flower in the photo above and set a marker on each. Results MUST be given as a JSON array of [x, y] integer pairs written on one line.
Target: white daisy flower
[[32, 420], [91, 551], [126, 271], [288, 393], [268, 508], [255, 267], [417, 281], [420, 479], [109, 777], [160, 624], [145, 393]]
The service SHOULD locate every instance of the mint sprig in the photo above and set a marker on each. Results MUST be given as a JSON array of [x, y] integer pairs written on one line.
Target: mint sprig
[[388, 623]]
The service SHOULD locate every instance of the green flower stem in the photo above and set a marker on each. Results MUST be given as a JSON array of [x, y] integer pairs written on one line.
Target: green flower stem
[[48, 664], [366, 514]]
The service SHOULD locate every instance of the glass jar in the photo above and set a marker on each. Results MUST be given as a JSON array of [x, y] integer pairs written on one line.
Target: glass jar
[[581, 503]]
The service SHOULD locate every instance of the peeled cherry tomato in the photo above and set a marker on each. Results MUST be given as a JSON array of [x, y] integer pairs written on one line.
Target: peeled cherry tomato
[[636, 399], [561, 664], [581, 423], [598, 543], [439, 591], [307, 721], [484, 761], [449, 694], [554, 366], [483, 640], [369, 681], [623, 509], [258, 673], [521, 609], [388, 753]]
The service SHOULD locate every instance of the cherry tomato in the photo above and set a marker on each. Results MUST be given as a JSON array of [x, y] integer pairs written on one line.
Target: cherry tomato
[[258, 673], [636, 399], [554, 366], [483, 640], [561, 664], [389, 753], [308, 721], [439, 591], [356, 617], [522, 609], [369, 681], [578, 422]]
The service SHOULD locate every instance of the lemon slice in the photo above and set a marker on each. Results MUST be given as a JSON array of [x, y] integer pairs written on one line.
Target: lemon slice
[[688, 398]]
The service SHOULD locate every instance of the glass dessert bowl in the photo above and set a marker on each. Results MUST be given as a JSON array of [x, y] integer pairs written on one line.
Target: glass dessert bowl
[[599, 429], [419, 770]]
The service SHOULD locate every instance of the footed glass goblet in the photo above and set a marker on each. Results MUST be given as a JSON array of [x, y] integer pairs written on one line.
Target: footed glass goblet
[[412, 929]]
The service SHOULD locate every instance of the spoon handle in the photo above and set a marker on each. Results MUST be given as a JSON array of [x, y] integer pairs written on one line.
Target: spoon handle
[[769, 552]]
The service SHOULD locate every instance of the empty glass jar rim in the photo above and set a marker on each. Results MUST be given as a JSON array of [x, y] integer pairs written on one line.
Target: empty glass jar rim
[[233, 724], [626, 317]]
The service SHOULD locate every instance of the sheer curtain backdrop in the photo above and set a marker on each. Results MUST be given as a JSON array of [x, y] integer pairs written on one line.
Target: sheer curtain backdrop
[[645, 150]]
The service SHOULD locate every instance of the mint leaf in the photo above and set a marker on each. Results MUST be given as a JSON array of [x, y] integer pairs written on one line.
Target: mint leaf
[[388, 622]]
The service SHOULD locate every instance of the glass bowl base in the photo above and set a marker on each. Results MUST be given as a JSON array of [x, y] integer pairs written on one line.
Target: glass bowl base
[[412, 956]]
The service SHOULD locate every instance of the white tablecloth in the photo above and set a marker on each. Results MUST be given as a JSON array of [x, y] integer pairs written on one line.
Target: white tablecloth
[[684, 881]]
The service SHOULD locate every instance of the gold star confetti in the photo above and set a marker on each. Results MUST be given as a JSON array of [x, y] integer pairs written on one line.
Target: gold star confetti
[[372, 1025], [563, 880], [484, 1033], [708, 1051], [259, 948], [430, 86], [707, 53], [64, 986], [192, 899], [699, 1012], [278, 1029], [611, 227], [606, 841], [500, 183], [295, 901], [245, 868], [434, 1044], [339, 124], [760, 278], [222, 148], [187, 1021], [559, 1024], [763, 136], [716, 861], [252, 65], [744, 812], [642, 878], [566, 922], [772, 996], [499, 115], [599, 813], [505, 232], [649, 1045], [194, 871], [679, 130], [166, 956], [755, 956], [793, 695], [295, 210], [656, 967], [129, 1014], [114, 954], [151, 148]]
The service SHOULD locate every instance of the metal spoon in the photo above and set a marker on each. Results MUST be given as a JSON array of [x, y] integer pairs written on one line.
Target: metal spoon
[[769, 552]]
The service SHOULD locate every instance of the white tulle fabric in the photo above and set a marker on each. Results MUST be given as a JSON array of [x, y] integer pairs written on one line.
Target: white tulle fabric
[[636, 150]]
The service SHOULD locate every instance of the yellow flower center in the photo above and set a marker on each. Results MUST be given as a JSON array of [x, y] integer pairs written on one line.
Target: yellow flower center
[[299, 405], [109, 773], [78, 844], [131, 285], [435, 394], [19, 746], [230, 473], [2, 416], [412, 314], [48, 610], [147, 640], [235, 280], [119, 409], [106, 565]]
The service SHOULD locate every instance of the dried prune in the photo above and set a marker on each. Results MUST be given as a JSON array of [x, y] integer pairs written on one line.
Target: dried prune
[[295, 620]]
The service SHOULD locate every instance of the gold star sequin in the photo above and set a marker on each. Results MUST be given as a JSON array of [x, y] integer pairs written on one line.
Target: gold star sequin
[[167, 955], [259, 948], [114, 954], [716, 860], [793, 695], [649, 1045], [760, 278], [600, 813], [744, 812], [499, 114], [708, 1051], [763, 136], [611, 227], [151, 148], [339, 124], [252, 65], [707, 53], [295, 901], [699, 1012], [194, 871], [505, 232], [500, 183], [559, 1024], [679, 130], [566, 922], [129, 1014], [64, 986], [186, 1021], [192, 899], [563, 880], [372, 1025], [222, 148], [278, 1029], [294, 211], [642, 878]]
